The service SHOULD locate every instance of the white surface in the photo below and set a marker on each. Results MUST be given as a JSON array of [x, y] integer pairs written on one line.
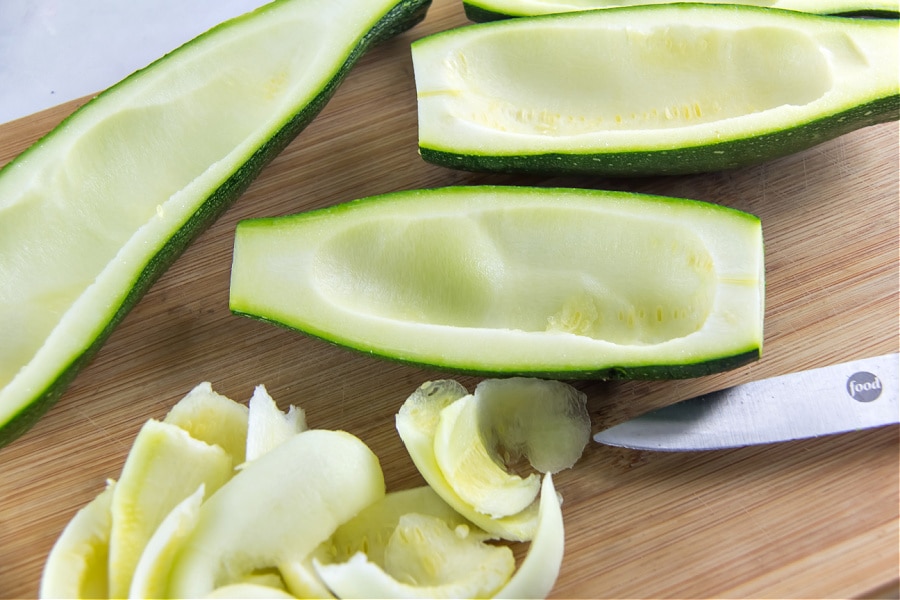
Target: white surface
[[52, 51]]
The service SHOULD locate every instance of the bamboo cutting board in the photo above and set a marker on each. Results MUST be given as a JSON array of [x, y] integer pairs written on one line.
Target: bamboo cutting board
[[806, 519]]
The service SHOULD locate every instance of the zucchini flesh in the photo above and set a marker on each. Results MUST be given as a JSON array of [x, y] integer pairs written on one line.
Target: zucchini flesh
[[492, 10], [93, 213], [559, 283], [650, 90]]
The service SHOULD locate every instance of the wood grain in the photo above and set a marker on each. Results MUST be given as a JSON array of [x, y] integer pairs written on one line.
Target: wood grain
[[806, 519]]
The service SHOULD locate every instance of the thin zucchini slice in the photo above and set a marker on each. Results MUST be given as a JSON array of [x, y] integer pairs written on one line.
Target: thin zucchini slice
[[78, 563], [559, 283], [650, 90], [279, 508], [93, 213], [492, 10]]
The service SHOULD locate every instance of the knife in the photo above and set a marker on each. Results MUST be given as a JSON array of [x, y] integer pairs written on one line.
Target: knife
[[850, 396]]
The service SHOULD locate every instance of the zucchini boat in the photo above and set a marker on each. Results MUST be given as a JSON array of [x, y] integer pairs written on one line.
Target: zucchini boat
[[650, 90], [492, 10], [94, 212], [555, 283]]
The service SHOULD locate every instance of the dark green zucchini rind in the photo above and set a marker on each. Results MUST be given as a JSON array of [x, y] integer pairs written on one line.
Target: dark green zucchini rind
[[689, 369], [479, 14], [704, 158], [873, 14], [402, 17]]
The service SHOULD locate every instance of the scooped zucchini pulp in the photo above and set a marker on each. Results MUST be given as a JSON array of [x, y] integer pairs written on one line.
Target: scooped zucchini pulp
[[514, 280], [661, 89], [490, 10], [91, 214], [304, 513]]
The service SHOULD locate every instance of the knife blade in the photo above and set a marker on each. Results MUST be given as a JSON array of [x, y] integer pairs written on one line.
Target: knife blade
[[850, 396]]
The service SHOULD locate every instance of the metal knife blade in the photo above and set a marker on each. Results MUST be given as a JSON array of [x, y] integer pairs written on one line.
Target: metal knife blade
[[850, 396]]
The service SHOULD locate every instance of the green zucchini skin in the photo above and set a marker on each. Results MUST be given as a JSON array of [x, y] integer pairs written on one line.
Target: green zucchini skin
[[403, 16], [732, 154]]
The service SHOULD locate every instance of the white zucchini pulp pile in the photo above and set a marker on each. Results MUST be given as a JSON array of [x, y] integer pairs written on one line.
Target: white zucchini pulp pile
[[219, 500]]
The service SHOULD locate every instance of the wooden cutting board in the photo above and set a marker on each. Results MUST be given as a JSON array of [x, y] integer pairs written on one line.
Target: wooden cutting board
[[812, 519]]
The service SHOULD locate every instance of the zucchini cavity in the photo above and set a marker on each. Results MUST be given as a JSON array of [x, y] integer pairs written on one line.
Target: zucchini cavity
[[491, 10], [650, 90], [93, 213], [542, 282]]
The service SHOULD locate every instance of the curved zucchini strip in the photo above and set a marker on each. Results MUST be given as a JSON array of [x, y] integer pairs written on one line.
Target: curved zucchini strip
[[556, 283], [94, 212], [279, 508], [492, 10], [650, 90], [78, 563], [441, 564]]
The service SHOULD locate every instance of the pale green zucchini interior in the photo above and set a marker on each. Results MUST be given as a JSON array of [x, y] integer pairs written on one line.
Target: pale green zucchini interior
[[646, 281], [121, 165], [635, 78], [525, 7]]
